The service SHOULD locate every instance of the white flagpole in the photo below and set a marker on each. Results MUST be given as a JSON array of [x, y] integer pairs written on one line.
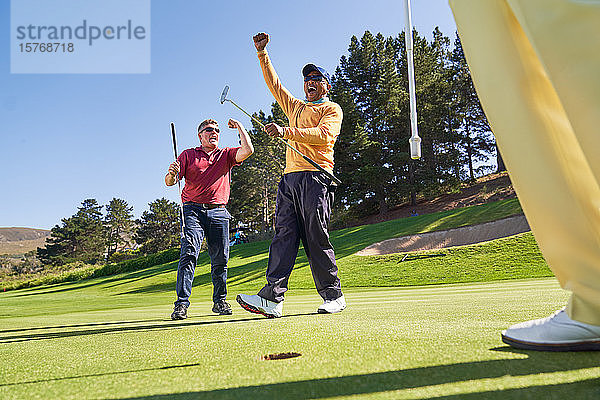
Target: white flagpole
[[415, 140]]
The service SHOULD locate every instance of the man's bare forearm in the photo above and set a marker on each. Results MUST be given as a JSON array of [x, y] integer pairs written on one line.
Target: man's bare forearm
[[246, 148]]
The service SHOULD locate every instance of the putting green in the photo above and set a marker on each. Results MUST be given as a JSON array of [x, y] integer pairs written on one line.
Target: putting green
[[390, 343]]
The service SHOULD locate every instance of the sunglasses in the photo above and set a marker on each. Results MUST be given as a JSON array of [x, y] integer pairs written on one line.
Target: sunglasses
[[313, 78], [210, 129]]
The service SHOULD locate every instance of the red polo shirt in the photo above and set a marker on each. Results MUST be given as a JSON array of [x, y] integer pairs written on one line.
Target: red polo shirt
[[206, 176]]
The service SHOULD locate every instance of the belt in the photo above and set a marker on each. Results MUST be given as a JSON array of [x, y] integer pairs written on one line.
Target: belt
[[206, 206]]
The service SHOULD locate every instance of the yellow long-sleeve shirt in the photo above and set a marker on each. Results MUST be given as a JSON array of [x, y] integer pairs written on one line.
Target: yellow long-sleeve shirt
[[313, 129]]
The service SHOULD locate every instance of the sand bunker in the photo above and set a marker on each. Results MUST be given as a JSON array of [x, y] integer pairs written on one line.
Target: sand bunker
[[451, 237]]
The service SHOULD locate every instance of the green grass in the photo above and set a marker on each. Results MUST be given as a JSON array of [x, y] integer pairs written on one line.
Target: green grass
[[518, 257], [392, 343], [78, 271], [515, 257], [350, 240], [110, 337]]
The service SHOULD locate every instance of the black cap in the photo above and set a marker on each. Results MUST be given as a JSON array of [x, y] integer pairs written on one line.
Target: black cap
[[308, 68]]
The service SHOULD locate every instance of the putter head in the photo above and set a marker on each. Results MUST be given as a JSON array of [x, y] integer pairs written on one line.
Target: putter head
[[224, 94]]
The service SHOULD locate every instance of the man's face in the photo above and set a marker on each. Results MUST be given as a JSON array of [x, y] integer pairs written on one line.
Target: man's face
[[315, 89], [209, 136]]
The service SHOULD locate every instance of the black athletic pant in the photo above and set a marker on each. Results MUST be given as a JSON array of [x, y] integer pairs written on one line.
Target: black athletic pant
[[304, 201]]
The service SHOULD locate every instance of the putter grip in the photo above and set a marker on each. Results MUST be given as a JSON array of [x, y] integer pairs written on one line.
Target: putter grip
[[317, 166], [174, 137], [174, 140]]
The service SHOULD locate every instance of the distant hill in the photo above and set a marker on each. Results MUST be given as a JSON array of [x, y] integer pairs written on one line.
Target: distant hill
[[21, 240]]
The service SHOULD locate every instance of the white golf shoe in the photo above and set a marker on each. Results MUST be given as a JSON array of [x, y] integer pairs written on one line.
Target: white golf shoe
[[332, 306], [258, 305], [557, 332]]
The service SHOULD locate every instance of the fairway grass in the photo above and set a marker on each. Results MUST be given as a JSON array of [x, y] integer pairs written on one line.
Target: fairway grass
[[390, 343], [416, 327]]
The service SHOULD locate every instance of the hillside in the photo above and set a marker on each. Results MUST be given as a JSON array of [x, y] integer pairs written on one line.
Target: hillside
[[487, 189], [21, 240]]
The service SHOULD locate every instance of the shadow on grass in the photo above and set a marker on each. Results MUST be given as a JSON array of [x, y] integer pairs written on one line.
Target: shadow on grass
[[63, 287], [412, 257], [235, 276], [167, 324], [583, 389], [38, 328], [100, 374], [380, 382]]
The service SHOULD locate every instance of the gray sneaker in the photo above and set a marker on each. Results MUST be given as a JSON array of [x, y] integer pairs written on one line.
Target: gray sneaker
[[258, 305]]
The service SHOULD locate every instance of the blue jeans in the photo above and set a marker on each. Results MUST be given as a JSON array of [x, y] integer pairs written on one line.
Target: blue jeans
[[214, 225]]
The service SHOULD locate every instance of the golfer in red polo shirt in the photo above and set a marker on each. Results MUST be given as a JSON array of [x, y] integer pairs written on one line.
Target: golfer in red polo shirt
[[206, 170]]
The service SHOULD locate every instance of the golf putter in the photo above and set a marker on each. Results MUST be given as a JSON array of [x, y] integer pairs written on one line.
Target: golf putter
[[178, 180], [307, 159]]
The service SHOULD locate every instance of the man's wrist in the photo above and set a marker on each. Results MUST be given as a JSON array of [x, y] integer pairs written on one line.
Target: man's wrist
[[263, 51]]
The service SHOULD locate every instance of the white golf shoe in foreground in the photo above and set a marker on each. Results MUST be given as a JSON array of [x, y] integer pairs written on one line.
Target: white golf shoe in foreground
[[557, 332], [258, 305], [332, 306]]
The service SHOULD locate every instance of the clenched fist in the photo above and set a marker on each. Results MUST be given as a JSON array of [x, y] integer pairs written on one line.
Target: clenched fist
[[174, 169], [274, 130], [260, 41], [234, 124]]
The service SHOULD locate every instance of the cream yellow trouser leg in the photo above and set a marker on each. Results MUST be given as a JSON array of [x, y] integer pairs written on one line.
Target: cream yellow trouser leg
[[536, 68]]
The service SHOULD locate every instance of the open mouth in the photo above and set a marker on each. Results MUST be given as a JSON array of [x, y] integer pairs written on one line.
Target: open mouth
[[311, 90]]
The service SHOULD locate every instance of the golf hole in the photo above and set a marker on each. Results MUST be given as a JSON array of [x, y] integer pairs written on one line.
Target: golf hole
[[280, 356]]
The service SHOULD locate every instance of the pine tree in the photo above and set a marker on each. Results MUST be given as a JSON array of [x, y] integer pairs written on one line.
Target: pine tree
[[368, 84], [79, 238], [118, 222], [474, 132], [158, 228], [91, 239], [254, 183], [60, 245]]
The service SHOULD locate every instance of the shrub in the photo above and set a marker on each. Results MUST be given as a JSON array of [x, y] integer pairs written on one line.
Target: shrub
[[78, 270], [119, 256]]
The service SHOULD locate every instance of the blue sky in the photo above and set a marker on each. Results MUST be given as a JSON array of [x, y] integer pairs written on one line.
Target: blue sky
[[68, 137]]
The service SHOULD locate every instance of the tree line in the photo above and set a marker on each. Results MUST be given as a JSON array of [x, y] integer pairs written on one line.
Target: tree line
[[93, 236]]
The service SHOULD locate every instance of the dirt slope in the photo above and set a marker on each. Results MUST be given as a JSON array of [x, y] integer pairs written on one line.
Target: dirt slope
[[487, 189], [21, 240], [449, 238]]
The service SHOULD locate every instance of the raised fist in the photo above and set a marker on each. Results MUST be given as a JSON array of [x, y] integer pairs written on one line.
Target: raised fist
[[234, 124], [260, 41]]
